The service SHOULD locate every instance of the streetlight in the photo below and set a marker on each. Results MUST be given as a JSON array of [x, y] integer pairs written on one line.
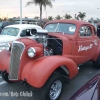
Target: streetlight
[[20, 11]]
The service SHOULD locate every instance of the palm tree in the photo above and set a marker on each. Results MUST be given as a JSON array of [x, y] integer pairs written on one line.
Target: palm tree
[[5, 19], [67, 16], [41, 3], [50, 18], [76, 17], [97, 19], [81, 15], [58, 17]]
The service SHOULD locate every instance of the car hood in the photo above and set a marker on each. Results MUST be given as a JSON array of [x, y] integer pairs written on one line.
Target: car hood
[[90, 91], [71, 37], [7, 38]]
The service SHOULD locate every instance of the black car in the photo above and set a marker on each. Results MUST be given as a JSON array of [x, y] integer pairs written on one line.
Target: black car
[[6, 23]]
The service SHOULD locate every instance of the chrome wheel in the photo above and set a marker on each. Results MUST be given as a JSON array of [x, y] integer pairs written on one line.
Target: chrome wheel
[[55, 90]]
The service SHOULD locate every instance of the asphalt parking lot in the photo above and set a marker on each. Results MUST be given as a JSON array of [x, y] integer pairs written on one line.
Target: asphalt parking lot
[[15, 91]]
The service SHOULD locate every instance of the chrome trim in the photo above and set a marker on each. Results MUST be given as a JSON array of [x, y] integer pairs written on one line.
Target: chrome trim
[[16, 54], [55, 90], [34, 51]]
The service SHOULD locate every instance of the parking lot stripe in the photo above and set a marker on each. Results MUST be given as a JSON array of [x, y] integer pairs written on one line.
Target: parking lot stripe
[[3, 82]]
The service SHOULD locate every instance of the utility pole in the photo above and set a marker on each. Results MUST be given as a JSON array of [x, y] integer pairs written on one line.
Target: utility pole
[[46, 13], [20, 11]]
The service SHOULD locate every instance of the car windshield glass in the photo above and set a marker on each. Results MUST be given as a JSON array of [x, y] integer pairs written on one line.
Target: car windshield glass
[[10, 31], [61, 27], [0, 24]]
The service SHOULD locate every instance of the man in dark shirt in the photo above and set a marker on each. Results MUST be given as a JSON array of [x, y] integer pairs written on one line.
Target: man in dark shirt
[[98, 31]]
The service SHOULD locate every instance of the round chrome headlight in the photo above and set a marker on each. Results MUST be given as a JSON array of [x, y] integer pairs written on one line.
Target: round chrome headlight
[[31, 52], [7, 46]]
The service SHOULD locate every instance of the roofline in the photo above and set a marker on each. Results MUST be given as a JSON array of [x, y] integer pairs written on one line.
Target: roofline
[[69, 21]]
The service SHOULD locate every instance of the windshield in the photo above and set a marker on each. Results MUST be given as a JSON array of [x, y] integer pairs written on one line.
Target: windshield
[[0, 24], [10, 31], [61, 27]]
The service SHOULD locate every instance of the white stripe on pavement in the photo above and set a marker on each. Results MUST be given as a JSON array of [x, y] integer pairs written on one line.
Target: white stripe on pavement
[[0, 76], [3, 82]]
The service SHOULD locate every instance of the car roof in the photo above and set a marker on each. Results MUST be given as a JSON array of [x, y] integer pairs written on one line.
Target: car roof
[[23, 26], [70, 21]]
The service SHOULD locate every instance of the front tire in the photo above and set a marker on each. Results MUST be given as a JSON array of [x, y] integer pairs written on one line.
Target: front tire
[[97, 62], [54, 87]]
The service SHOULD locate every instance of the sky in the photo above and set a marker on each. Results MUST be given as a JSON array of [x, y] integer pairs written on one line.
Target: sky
[[11, 8]]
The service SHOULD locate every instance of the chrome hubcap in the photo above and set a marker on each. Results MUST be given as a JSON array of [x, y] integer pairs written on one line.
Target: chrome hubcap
[[55, 90]]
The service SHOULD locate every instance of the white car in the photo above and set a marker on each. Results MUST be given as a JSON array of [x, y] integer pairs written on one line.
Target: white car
[[13, 32]]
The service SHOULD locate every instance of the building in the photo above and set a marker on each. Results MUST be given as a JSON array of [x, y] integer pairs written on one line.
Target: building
[[25, 20]]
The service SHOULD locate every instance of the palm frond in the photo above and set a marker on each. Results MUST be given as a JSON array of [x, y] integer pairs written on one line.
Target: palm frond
[[36, 2], [47, 3], [29, 3]]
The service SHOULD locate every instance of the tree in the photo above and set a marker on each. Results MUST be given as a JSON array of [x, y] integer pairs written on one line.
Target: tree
[[5, 19], [81, 15], [50, 18], [41, 3], [36, 17], [76, 17], [67, 16], [58, 17], [97, 19], [1, 19], [26, 17]]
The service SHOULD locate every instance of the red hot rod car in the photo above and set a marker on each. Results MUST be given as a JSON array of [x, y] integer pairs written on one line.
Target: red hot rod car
[[49, 57]]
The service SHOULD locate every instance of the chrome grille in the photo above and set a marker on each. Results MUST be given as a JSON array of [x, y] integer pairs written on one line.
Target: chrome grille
[[16, 53]]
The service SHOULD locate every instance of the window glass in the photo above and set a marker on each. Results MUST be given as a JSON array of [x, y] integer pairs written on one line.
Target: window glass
[[1, 24], [61, 27], [51, 27], [25, 33], [95, 32], [4, 31], [10, 31], [85, 31]]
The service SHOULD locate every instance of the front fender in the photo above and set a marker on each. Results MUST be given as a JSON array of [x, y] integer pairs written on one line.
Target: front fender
[[37, 72]]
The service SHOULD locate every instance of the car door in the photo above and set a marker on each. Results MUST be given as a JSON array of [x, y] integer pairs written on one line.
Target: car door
[[95, 41], [84, 45]]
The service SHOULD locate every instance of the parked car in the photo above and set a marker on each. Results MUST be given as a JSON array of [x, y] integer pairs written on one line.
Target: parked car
[[6, 23], [90, 91], [13, 32], [51, 57]]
